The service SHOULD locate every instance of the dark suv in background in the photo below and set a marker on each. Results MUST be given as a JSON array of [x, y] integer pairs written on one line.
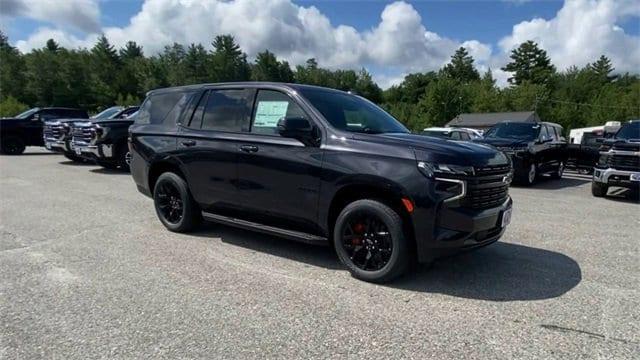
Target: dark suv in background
[[104, 140], [26, 129], [619, 163], [57, 133], [534, 148], [319, 166]]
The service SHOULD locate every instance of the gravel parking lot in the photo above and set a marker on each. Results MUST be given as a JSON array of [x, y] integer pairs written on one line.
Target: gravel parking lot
[[87, 271]]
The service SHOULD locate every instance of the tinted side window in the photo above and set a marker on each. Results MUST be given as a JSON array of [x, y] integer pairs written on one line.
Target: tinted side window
[[464, 136], [228, 110], [544, 133], [455, 135], [270, 107], [162, 108]]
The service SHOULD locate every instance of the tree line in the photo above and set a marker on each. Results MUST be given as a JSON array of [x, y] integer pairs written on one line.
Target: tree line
[[103, 75]]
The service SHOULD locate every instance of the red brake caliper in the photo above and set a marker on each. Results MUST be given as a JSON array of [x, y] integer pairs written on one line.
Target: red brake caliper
[[358, 229]]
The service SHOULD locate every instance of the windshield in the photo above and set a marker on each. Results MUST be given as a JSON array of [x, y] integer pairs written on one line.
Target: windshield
[[438, 134], [629, 131], [27, 113], [518, 131], [108, 113], [352, 113]]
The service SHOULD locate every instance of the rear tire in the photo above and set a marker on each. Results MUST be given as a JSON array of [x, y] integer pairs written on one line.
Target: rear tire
[[122, 151], [174, 204], [369, 240], [599, 189], [12, 145]]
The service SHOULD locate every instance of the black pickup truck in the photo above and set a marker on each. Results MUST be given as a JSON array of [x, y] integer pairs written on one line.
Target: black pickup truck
[[104, 141], [57, 133], [619, 163], [26, 129], [585, 155]]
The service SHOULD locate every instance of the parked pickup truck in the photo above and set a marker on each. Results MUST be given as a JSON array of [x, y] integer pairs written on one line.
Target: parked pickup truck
[[619, 163], [585, 155], [26, 129], [104, 141], [57, 133]]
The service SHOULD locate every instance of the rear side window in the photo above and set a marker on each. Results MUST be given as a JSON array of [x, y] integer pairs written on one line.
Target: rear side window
[[272, 106], [464, 136], [164, 108], [544, 133], [227, 110], [455, 135]]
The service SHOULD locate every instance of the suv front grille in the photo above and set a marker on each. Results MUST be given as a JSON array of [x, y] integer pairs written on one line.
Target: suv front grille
[[82, 133], [624, 162], [488, 188]]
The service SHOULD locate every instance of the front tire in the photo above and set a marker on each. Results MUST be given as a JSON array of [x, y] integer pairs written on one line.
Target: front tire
[[599, 189], [369, 239], [530, 176], [559, 171], [74, 157], [12, 145], [174, 205]]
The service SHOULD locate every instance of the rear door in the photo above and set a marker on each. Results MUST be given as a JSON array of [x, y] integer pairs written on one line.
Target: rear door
[[208, 146], [278, 178]]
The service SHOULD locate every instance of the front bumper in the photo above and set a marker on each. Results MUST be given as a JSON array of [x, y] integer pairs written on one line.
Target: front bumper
[[95, 152], [459, 228], [57, 145], [614, 177]]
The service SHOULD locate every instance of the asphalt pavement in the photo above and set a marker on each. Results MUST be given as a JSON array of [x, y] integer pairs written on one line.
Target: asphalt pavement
[[87, 271]]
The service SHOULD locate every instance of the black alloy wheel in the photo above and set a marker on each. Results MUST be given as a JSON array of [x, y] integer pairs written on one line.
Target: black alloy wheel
[[367, 241], [12, 145], [170, 202]]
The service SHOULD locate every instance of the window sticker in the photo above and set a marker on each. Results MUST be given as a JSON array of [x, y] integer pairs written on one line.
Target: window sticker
[[269, 112]]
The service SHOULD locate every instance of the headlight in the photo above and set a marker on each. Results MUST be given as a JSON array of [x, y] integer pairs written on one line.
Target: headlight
[[432, 170], [99, 132], [445, 184]]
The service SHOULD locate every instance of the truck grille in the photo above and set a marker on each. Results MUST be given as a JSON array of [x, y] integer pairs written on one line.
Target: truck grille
[[82, 133], [52, 131], [624, 162], [488, 188]]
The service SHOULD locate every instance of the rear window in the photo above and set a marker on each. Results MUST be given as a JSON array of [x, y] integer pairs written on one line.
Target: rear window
[[163, 109]]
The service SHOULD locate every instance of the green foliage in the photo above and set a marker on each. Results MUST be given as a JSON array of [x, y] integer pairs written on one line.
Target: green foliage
[[461, 67], [9, 106], [529, 63], [104, 76]]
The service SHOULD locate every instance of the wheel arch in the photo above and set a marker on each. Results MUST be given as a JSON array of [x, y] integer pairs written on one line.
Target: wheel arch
[[159, 167]]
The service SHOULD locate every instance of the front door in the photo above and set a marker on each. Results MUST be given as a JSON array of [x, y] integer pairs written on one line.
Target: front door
[[278, 178]]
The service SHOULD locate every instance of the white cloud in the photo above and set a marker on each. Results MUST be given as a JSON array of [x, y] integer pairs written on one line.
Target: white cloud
[[399, 42], [83, 15], [581, 31]]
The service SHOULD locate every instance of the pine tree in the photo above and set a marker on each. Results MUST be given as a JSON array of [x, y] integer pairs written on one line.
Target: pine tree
[[52, 45], [529, 63], [461, 67], [196, 62], [131, 51], [229, 63], [12, 71], [268, 68], [602, 68]]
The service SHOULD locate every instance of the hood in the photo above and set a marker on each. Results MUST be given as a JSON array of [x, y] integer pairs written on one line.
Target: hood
[[8, 123], [622, 145], [503, 142], [106, 122], [433, 149]]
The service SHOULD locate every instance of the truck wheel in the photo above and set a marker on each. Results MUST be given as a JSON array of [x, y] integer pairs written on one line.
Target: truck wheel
[[12, 145], [74, 157], [599, 189], [559, 171], [369, 239], [531, 175], [123, 156], [174, 205]]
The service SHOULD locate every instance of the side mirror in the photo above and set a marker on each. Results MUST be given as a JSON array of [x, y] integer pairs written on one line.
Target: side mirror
[[297, 128], [36, 117]]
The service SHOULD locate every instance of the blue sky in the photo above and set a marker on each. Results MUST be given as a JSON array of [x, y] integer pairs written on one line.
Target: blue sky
[[390, 38]]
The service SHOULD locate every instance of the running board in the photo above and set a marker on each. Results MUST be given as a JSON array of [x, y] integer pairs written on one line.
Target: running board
[[248, 225]]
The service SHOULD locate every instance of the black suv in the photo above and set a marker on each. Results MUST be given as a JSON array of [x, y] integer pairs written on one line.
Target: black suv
[[534, 148], [619, 163], [26, 129], [104, 139], [320, 166]]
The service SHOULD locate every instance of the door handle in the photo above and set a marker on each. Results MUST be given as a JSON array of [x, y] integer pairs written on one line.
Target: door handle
[[248, 148], [189, 143]]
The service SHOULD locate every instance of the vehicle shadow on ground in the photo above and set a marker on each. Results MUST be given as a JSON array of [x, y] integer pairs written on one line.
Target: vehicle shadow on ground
[[76, 163], [106, 171], [499, 272], [545, 182]]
